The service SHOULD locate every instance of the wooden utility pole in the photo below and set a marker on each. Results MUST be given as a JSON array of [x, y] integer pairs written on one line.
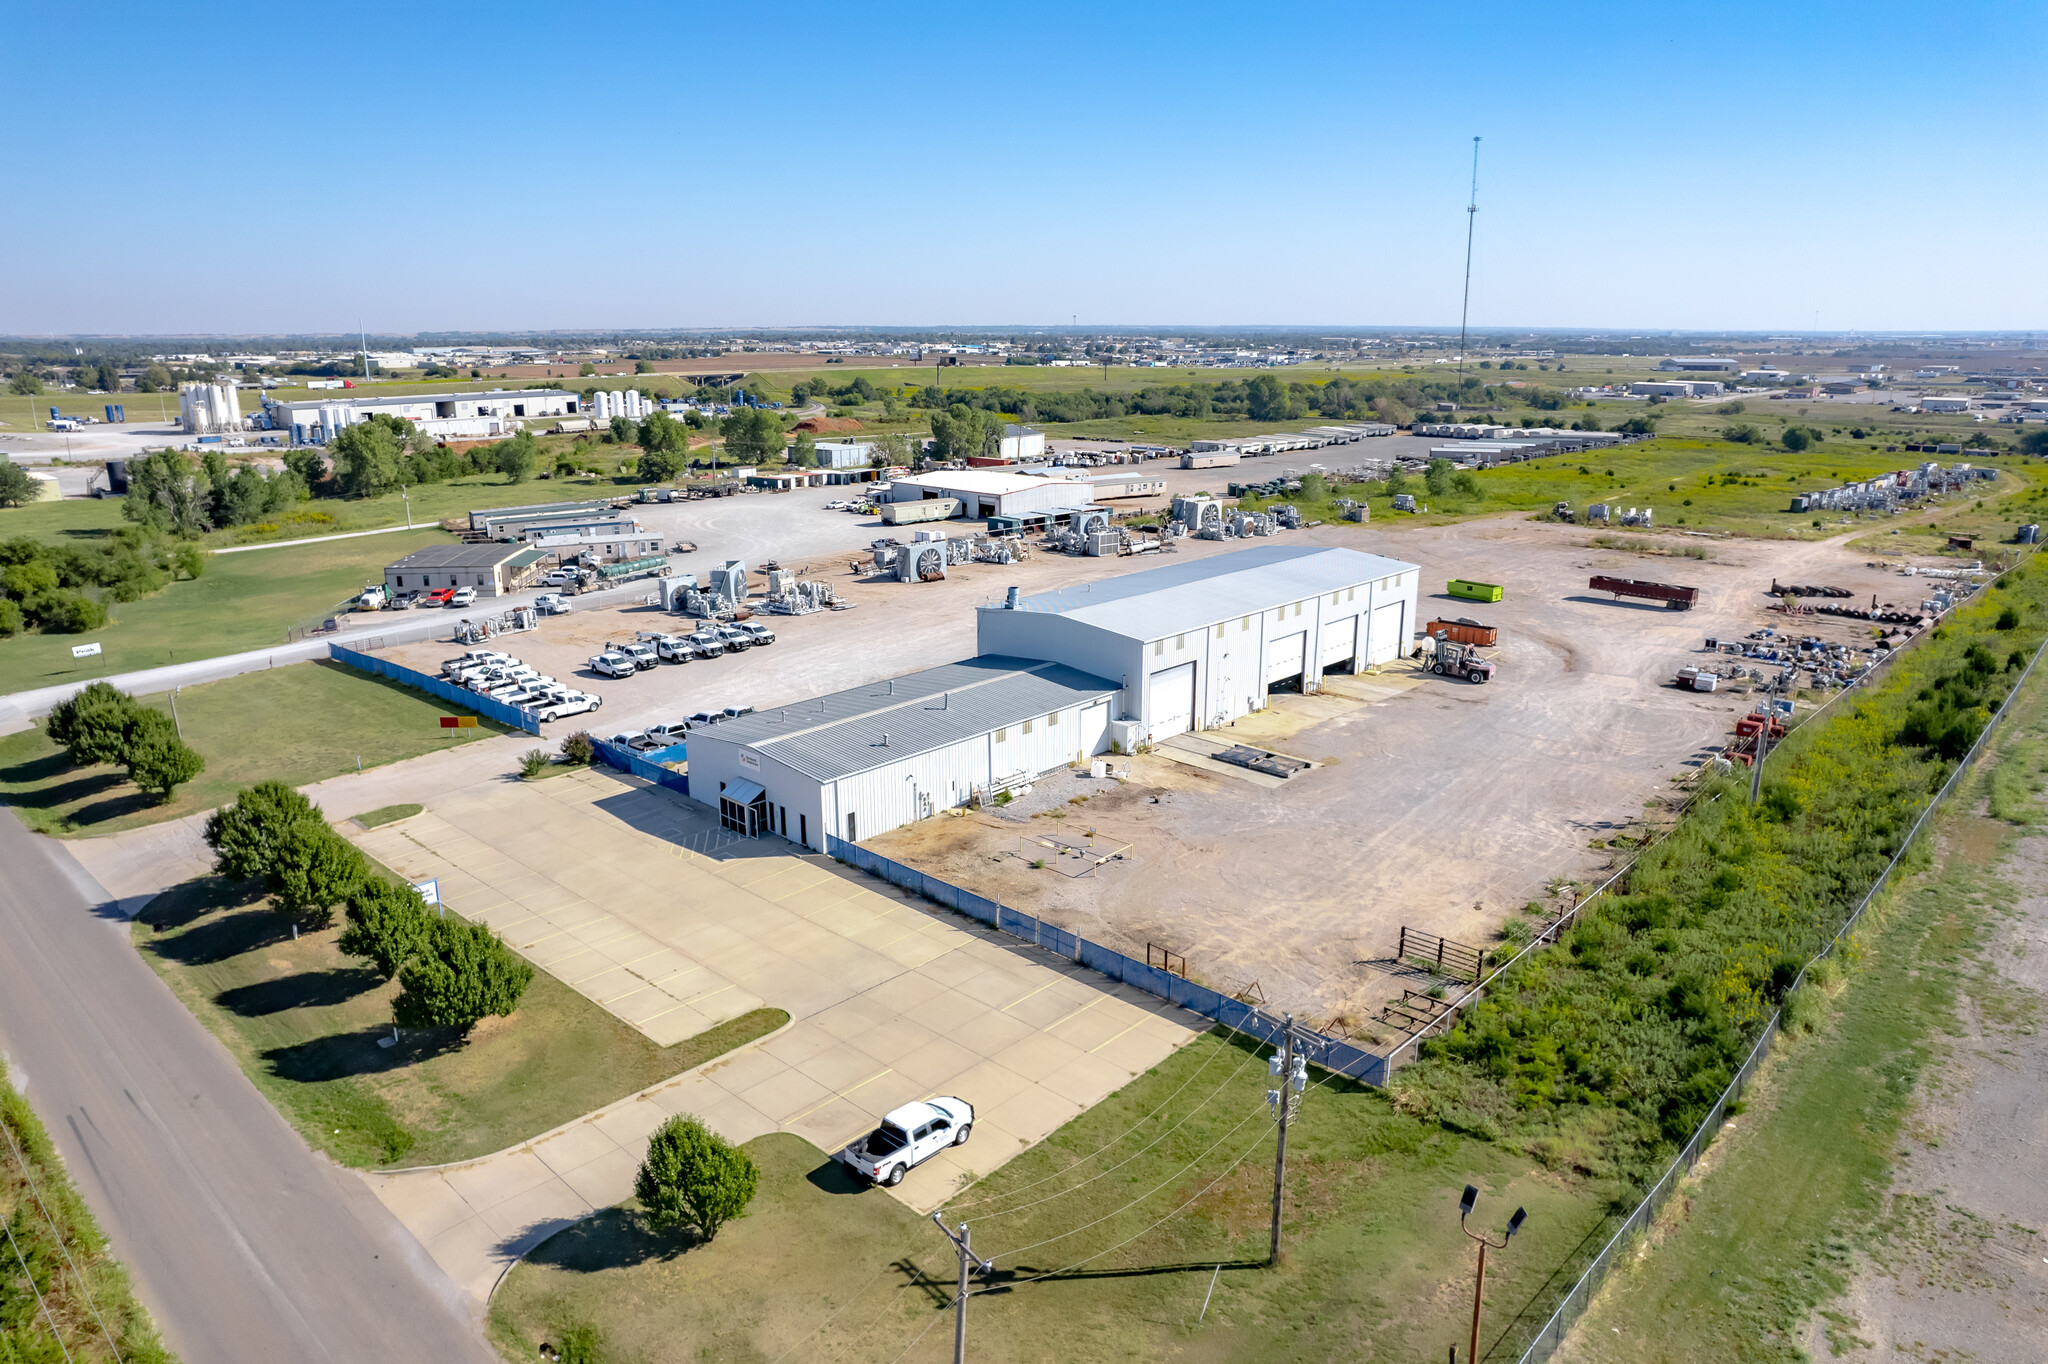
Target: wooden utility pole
[[1283, 1100]]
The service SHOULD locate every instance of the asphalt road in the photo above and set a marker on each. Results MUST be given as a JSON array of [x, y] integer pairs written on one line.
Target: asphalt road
[[243, 1243]]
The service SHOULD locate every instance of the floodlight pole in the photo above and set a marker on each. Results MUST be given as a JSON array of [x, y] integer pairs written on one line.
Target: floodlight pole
[[1479, 1279], [1471, 218]]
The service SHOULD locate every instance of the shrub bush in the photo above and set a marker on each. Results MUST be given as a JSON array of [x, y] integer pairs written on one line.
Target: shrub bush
[[693, 1177], [461, 975], [579, 748], [533, 762], [387, 924]]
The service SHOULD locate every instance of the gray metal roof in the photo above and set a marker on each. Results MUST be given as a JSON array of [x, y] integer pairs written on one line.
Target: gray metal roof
[[1192, 595], [459, 556], [835, 736]]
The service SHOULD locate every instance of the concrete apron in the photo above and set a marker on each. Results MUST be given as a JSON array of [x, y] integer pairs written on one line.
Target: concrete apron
[[600, 879]]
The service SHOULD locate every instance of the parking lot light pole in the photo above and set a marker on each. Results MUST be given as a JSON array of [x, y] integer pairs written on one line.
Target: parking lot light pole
[[1479, 1279]]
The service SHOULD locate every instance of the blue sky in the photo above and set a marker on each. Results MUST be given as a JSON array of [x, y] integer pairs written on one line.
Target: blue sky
[[236, 168]]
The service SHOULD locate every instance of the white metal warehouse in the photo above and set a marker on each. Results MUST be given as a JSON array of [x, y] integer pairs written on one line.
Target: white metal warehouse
[[1199, 643], [863, 761]]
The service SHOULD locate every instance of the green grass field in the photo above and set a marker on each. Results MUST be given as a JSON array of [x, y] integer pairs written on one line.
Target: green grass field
[[296, 724], [242, 602], [1716, 486], [1739, 1269], [821, 1269], [303, 1021]]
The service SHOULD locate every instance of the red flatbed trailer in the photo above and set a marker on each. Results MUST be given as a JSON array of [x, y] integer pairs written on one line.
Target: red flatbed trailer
[[1674, 598]]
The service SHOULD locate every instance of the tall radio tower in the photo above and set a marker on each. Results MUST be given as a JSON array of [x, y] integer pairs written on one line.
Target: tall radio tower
[[1471, 218]]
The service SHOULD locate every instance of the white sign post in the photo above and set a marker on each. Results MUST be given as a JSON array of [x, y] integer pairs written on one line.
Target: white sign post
[[84, 650]]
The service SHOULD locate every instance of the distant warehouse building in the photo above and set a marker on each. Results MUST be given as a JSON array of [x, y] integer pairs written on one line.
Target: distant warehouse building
[[983, 493], [1675, 388], [1700, 364], [457, 416], [493, 570], [1061, 677]]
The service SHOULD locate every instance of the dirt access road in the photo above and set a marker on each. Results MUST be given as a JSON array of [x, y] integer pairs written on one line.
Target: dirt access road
[[1435, 804]]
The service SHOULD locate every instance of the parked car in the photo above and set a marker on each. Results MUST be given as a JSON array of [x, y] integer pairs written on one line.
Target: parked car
[[734, 638], [440, 596], [560, 577], [462, 596], [674, 732], [707, 641], [571, 703], [908, 1137], [551, 604], [735, 712], [644, 743], [613, 665], [403, 601], [761, 633], [641, 654], [707, 717], [677, 648]]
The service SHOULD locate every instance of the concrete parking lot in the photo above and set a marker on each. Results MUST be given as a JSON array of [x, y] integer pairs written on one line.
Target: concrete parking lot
[[635, 898]]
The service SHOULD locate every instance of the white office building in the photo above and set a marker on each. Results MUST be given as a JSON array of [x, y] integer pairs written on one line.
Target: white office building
[[473, 416]]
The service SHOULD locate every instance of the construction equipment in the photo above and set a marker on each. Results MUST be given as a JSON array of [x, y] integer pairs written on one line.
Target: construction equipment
[[1562, 511], [1461, 660], [1674, 598], [1697, 679]]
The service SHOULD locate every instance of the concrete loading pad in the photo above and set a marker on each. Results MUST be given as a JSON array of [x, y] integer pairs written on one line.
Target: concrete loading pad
[[644, 905]]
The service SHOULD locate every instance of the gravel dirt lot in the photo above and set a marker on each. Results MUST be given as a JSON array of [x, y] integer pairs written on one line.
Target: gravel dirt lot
[[1435, 804]]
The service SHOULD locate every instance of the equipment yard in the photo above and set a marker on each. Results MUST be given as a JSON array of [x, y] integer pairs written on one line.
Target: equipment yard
[[1430, 802]]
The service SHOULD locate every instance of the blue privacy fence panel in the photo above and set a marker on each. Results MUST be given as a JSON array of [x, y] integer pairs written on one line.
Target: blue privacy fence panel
[[633, 764], [511, 716], [1331, 1053]]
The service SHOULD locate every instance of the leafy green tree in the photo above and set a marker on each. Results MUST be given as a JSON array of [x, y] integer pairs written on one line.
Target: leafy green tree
[[586, 370], [12, 621], [623, 430], [517, 458], [365, 457], [188, 560], [25, 382], [316, 869], [965, 432], [662, 432], [1645, 425], [388, 924], [16, 487], [247, 835], [157, 377], [693, 1177], [461, 975], [1437, 478], [656, 466], [1267, 398], [804, 453], [643, 367], [72, 613], [2034, 442], [168, 493], [1795, 438], [92, 723], [1397, 480], [158, 761], [752, 435]]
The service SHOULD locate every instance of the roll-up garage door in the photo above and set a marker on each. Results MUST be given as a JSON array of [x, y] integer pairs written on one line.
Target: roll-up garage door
[[1340, 642], [1389, 630], [1094, 728], [1173, 701], [1285, 656]]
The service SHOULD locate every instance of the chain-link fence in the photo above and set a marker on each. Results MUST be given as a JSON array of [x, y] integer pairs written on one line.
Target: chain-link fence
[[1580, 1297]]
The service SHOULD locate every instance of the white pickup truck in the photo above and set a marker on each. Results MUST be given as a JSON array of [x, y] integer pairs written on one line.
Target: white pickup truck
[[613, 665]]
